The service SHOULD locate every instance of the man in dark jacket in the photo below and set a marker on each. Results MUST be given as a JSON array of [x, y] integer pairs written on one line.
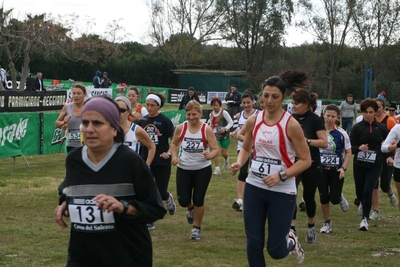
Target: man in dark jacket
[[233, 100], [37, 85], [97, 82], [106, 81], [190, 95]]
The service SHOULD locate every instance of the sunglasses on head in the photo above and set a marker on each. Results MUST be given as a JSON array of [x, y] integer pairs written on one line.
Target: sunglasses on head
[[122, 110]]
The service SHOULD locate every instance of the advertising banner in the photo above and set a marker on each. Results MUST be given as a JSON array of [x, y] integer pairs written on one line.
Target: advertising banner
[[176, 95], [221, 95], [91, 92], [19, 134], [17, 101]]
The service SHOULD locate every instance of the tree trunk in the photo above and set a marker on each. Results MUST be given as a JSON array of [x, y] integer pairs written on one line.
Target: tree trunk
[[25, 68]]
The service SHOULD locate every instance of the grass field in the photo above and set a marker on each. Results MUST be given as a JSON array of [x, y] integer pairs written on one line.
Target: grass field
[[30, 237]]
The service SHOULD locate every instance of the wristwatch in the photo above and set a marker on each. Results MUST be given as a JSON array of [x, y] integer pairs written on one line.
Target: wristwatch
[[344, 168], [308, 141], [126, 206], [283, 175], [169, 154]]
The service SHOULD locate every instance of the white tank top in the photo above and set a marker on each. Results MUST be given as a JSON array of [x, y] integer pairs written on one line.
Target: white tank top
[[273, 152], [130, 139], [192, 147], [242, 120]]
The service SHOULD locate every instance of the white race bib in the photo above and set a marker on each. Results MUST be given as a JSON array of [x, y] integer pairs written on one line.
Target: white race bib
[[367, 156], [87, 217], [74, 135], [329, 160], [261, 166]]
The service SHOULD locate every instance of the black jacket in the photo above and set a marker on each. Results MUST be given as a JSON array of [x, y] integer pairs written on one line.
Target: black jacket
[[36, 85], [186, 98]]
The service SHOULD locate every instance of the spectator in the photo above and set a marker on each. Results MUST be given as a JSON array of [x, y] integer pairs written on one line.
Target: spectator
[[348, 111], [190, 95], [38, 83], [97, 82], [382, 95], [3, 77], [233, 100], [106, 82]]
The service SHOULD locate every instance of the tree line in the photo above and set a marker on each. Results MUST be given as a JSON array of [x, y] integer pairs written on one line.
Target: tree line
[[245, 35]]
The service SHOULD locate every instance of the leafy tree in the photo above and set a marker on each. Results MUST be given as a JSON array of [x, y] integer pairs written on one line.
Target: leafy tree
[[330, 22], [179, 27], [376, 26]]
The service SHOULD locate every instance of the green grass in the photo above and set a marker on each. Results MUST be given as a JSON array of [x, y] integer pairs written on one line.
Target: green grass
[[29, 235]]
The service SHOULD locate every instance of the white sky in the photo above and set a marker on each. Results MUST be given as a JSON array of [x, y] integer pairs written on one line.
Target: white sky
[[132, 15]]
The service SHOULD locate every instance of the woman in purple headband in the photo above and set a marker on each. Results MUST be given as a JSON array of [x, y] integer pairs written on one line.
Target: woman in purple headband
[[108, 194]]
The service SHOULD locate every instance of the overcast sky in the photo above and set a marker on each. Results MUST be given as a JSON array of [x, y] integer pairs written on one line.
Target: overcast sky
[[133, 15]]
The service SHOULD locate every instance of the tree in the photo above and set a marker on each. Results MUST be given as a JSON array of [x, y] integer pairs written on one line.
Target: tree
[[20, 37], [330, 23], [255, 26], [181, 26], [376, 26]]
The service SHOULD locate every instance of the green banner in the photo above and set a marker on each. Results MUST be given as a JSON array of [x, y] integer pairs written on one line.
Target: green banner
[[176, 116], [53, 138], [19, 134]]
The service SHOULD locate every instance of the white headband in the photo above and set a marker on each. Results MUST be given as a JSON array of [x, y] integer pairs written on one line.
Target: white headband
[[155, 98]]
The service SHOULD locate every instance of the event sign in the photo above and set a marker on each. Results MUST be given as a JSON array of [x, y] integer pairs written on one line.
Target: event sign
[[12, 101]]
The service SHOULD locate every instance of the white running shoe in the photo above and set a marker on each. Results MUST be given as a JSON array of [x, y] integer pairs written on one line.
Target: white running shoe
[[393, 200], [190, 216], [151, 226], [171, 205], [297, 251], [311, 235], [360, 209], [375, 215], [226, 164], [326, 228], [217, 171], [364, 225], [344, 204], [196, 233], [237, 205]]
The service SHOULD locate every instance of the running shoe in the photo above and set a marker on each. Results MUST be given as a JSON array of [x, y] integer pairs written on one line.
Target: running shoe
[[196, 233], [360, 209], [151, 226], [297, 251], [217, 171], [393, 200], [326, 228], [190, 216], [227, 165], [311, 235], [302, 205], [344, 204], [364, 225], [171, 205], [375, 215], [237, 205]]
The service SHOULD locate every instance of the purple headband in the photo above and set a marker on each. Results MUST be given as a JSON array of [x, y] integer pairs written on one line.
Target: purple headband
[[106, 108]]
